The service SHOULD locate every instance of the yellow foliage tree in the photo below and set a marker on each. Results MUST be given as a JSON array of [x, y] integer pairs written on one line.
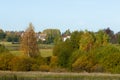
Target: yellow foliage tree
[[29, 42], [87, 41]]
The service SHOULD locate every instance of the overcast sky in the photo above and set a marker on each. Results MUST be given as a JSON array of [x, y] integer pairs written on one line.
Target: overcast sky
[[61, 14]]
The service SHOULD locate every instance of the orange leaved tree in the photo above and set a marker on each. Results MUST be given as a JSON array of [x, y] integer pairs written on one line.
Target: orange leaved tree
[[29, 42]]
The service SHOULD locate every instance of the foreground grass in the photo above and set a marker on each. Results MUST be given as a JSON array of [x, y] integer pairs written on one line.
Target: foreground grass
[[6, 75]]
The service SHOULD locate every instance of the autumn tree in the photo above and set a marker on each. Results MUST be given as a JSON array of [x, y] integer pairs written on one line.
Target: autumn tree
[[87, 41], [29, 42]]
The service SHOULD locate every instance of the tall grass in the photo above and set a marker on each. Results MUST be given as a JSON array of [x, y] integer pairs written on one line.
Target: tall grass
[[56, 76], [15, 77]]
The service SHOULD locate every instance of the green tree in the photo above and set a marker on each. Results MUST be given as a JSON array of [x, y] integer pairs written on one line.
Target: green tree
[[52, 34], [67, 32], [2, 34], [12, 36], [63, 51], [102, 38], [118, 37], [58, 40], [75, 39], [29, 42]]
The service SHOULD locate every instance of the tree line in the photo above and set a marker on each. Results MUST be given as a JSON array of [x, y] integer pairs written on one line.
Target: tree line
[[52, 35], [84, 51], [14, 36], [89, 51]]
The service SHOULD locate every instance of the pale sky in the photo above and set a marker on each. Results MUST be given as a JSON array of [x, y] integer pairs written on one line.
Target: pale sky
[[61, 14]]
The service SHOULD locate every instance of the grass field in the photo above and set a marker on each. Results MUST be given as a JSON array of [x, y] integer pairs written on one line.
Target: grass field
[[45, 49], [17, 53], [6, 75], [44, 52]]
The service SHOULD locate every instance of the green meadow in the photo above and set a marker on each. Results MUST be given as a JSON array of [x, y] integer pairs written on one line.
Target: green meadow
[[45, 49]]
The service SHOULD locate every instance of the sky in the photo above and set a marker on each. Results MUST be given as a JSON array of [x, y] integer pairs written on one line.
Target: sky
[[78, 15]]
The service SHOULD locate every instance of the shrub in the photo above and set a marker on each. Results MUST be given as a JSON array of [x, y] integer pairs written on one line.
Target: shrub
[[5, 60], [85, 62], [47, 60], [35, 67], [104, 51], [116, 69], [44, 68], [97, 68], [3, 49], [21, 64], [111, 63], [75, 55], [53, 61]]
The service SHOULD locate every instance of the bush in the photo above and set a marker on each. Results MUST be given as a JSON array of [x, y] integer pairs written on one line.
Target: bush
[[44, 68], [39, 60], [35, 67], [104, 51], [53, 62], [97, 68], [85, 62], [5, 60], [47, 60], [111, 63], [3, 49], [21, 64], [116, 69], [75, 55]]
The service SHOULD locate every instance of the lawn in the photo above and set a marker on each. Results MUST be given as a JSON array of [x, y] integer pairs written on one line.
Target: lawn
[[44, 52], [10, 46], [45, 49], [17, 53]]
